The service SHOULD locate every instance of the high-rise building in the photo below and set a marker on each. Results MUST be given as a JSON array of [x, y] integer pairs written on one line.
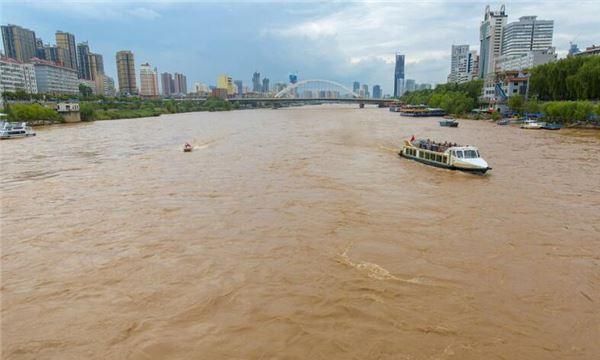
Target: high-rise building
[[459, 64], [356, 87], [473, 64], [490, 37], [83, 50], [96, 64], [365, 90], [526, 60], [376, 92], [573, 49], [265, 85], [167, 84], [180, 83], [293, 78], [54, 79], [65, 40], [410, 85], [225, 81], [16, 75], [399, 76], [464, 64], [39, 49], [105, 85], [527, 34], [126, 72], [148, 81], [239, 85], [55, 54], [51, 53], [256, 85], [19, 43]]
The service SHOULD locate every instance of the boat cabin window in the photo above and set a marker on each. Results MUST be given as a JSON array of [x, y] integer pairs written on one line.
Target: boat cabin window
[[458, 153], [470, 154]]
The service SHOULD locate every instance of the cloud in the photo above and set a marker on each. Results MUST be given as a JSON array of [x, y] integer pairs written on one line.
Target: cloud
[[106, 10], [364, 33], [144, 13]]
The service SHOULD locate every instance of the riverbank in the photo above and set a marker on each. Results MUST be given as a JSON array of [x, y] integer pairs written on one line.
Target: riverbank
[[577, 125], [136, 108], [37, 114]]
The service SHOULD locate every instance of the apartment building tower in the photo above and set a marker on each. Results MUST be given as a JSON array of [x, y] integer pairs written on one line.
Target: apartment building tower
[[126, 72]]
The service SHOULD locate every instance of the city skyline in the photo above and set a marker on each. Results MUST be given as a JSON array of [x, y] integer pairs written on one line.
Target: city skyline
[[336, 41]]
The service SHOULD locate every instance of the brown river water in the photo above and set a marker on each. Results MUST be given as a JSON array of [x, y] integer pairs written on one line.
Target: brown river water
[[298, 234]]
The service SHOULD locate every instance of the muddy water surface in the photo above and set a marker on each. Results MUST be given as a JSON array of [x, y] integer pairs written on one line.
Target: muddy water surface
[[297, 234]]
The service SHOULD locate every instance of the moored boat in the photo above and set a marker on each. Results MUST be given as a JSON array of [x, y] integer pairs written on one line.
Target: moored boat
[[531, 124], [445, 155], [551, 126], [422, 112], [9, 130], [503, 122], [449, 122]]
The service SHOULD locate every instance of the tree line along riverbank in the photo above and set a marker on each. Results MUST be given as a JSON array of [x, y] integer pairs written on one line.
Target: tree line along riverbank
[[566, 91], [30, 108]]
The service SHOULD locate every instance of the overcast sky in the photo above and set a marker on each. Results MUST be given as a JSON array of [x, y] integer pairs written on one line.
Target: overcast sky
[[340, 41]]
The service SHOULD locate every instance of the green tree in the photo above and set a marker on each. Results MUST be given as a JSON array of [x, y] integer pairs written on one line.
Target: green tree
[[87, 112], [516, 103], [32, 112], [575, 78], [85, 90]]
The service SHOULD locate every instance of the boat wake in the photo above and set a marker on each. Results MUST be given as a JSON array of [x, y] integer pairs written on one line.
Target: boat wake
[[387, 148], [200, 146]]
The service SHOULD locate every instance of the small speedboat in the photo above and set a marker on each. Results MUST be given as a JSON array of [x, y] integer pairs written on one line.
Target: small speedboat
[[10, 130], [445, 155], [449, 122], [531, 124], [187, 147], [503, 122], [551, 126]]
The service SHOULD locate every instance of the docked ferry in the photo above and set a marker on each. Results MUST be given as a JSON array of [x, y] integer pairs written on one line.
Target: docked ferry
[[10, 130], [449, 156]]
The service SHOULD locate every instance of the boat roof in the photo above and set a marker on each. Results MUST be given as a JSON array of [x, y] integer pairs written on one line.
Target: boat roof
[[457, 147]]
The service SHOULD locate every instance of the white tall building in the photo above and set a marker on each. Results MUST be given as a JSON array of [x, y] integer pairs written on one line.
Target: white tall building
[[527, 34], [464, 64], [490, 37], [526, 60], [148, 81], [15, 75], [459, 64]]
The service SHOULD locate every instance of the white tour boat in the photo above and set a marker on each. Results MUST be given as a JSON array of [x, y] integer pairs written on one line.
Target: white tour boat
[[531, 124], [10, 130], [449, 156]]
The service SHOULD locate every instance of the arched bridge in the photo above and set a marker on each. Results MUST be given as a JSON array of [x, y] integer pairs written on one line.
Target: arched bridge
[[313, 91], [317, 88]]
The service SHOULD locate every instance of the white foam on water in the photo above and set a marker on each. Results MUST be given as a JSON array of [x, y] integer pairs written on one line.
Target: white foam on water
[[372, 270]]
